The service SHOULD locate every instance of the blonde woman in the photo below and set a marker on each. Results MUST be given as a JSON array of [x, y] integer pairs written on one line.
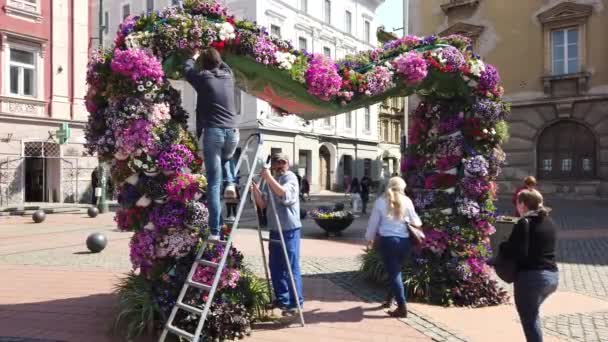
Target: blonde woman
[[389, 220]]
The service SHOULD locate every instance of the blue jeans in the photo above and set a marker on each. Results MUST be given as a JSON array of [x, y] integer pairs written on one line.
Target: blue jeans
[[394, 250], [531, 290], [218, 147], [278, 269]]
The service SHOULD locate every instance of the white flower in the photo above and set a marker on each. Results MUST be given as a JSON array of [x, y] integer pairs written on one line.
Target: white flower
[[477, 67], [225, 31], [285, 59], [493, 131], [485, 131], [148, 84], [148, 96]]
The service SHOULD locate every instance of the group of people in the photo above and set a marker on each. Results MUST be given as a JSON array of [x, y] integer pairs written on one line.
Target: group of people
[[532, 242]]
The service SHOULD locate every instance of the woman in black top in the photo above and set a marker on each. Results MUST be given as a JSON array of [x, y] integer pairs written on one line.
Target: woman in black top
[[532, 245]]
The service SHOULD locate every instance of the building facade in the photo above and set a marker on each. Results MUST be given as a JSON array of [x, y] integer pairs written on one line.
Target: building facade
[[43, 62], [391, 121], [553, 59], [326, 151]]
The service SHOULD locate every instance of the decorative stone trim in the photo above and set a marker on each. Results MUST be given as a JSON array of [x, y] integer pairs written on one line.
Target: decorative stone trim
[[20, 105], [581, 78], [12, 9], [451, 4], [464, 29], [566, 11]]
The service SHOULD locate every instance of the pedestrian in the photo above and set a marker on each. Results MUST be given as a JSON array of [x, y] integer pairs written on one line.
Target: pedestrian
[[365, 185], [216, 127], [532, 246], [355, 192], [94, 185], [305, 190], [389, 221], [283, 186], [529, 183]]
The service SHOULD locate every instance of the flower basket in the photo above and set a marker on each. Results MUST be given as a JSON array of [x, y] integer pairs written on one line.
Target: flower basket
[[334, 226], [333, 222]]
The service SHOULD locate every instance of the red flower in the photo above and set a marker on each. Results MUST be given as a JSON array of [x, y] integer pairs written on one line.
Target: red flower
[[219, 46]]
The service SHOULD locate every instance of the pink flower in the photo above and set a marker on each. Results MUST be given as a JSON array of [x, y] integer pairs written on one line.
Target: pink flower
[[322, 78], [137, 65], [412, 67], [160, 113], [378, 80]]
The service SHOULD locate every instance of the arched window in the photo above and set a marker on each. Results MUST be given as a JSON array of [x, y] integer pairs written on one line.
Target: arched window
[[566, 150]]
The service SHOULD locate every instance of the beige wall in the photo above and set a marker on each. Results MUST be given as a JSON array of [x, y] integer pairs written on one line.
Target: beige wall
[[513, 39]]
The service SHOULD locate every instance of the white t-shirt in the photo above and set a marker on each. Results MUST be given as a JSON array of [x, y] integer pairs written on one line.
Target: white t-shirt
[[381, 223]]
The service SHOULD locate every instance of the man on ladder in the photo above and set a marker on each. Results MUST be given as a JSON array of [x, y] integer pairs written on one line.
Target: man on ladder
[[285, 191]]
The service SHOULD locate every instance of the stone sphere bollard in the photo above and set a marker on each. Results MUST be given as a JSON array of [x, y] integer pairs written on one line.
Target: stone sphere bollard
[[39, 216], [96, 242], [93, 212]]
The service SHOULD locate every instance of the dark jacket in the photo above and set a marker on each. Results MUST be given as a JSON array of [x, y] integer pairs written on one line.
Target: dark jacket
[[532, 245], [215, 96]]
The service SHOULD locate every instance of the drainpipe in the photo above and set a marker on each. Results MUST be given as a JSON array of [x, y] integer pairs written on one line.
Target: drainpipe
[[406, 31], [101, 23]]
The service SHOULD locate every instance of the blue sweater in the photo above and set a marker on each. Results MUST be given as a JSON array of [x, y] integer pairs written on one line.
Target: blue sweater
[[215, 96], [288, 206]]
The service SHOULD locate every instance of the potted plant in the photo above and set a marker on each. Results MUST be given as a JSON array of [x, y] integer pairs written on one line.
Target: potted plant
[[145, 164], [331, 220], [196, 216], [175, 159]]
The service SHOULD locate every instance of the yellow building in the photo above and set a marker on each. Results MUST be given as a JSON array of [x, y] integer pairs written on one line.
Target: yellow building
[[553, 59]]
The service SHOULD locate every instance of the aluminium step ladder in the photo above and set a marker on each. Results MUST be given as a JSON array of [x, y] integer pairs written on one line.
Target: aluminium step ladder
[[251, 164]]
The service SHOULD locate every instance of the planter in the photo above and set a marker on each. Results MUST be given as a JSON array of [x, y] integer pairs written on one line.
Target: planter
[[168, 172], [151, 173], [449, 190], [334, 226], [504, 226], [132, 179], [447, 211], [451, 135], [143, 201]]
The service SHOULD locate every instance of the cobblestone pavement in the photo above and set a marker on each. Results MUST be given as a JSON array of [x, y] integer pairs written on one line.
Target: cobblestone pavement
[[583, 262]]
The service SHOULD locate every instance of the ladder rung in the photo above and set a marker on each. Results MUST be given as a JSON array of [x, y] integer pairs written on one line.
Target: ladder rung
[[180, 332], [219, 242], [207, 263], [190, 308], [199, 285], [265, 239]]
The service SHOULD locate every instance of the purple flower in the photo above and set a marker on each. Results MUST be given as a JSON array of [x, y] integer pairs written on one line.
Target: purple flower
[[176, 158], [264, 50], [450, 124], [451, 57], [142, 249], [168, 215], [489, 78], [430, 40], [468, 208], [488, 110], [423, 199], [474, 187], [412, 67], [476, 166]]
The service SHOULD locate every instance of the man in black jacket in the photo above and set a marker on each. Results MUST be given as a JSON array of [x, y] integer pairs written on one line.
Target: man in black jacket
[[216, 127]]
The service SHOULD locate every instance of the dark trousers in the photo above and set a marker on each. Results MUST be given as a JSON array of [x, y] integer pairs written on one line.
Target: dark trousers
[[531, 290], [278, 269], [394, 250]]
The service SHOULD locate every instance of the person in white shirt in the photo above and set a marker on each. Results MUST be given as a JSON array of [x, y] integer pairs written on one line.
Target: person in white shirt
[[388, 222]]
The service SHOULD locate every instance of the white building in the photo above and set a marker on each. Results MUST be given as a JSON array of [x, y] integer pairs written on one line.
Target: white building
[[324, 150]]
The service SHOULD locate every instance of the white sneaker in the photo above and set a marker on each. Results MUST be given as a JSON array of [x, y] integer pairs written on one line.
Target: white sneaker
[[230, 191], [213, 237]]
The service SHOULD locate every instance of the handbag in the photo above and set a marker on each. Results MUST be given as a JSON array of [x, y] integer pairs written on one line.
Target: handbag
[[416, 235], [505, 267]]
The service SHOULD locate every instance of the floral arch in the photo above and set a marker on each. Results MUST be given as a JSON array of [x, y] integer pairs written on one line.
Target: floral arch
[[137, 124]]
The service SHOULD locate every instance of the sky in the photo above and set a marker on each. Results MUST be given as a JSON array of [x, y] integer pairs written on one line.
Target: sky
[[390, 14]]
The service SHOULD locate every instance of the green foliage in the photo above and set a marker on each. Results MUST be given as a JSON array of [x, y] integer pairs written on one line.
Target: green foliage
[[502, 131], [137, 310], [299, 68], [251, 291]]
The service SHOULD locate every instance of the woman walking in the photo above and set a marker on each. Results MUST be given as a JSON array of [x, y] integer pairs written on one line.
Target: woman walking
[[532, 246], [389, 221]]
